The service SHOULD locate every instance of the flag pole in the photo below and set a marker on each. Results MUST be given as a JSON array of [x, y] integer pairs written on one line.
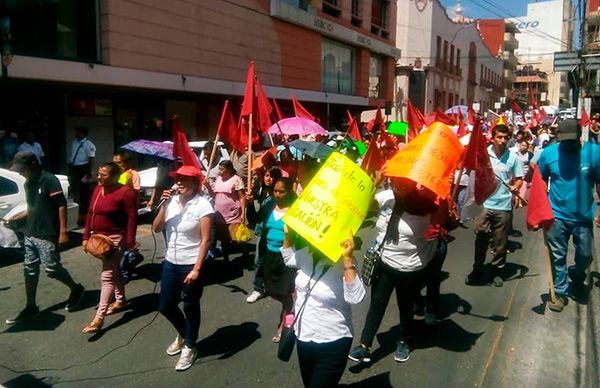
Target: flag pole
[[213, 152], [508, 187], [550, 274], [249, 179]]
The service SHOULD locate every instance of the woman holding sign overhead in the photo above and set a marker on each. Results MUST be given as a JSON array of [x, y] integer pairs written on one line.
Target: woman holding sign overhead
[[405, 253], [323, 321]]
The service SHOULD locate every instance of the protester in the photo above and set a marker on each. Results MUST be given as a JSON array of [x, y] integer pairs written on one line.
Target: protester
[[524, 158], [260, 204], [187, 219], [33, 146], [574, 171], [229, 203], [405, 254], [324, 293], [112, 213], [278, 279], [45, 230], [81, 162], [129, 177], [211, 173], [495, 220]]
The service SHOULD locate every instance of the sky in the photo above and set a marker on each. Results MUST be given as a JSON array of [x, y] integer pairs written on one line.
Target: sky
[[483, 9]]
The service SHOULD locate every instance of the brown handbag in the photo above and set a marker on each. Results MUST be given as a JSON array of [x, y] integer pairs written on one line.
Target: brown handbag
[[99, 245]]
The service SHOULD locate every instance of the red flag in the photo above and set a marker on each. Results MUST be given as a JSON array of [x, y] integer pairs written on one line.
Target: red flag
[[248, 104], [462, 128], [415, 119], [181, 147], [532, 100], [373, 159], [514, 105], [263, 107], [300, 111], [440, 116], [585, 119], [472, 116], [278, 111], [478, 159], [379, 121], [353, 127], [228, 131], [539, 210]]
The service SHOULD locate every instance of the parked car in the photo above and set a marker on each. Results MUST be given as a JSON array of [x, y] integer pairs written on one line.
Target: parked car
[[13, 204]]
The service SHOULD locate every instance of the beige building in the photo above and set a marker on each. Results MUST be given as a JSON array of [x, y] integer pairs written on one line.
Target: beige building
[[444, 61]]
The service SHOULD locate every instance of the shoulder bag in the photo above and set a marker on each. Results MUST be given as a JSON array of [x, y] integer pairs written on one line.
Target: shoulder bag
[[372, 261], [99, 245]]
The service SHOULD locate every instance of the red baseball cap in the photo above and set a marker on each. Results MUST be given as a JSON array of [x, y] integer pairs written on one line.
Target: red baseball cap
[[187, 171]]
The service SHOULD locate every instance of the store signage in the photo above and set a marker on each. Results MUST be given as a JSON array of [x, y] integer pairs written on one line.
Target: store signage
[[530, 24]]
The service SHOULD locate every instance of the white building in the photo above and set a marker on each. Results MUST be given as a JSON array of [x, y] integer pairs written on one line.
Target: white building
[[545, 29], [444, 61]]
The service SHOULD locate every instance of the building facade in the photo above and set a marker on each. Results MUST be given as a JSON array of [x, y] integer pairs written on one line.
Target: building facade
[[547, 28], [444, 61], [122, 68]]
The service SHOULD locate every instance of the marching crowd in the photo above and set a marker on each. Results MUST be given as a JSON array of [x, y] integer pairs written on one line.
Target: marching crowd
[[200, 213]]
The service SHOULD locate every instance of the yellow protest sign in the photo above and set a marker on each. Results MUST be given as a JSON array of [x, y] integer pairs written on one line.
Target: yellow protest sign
[[335, 201], [429, 159]]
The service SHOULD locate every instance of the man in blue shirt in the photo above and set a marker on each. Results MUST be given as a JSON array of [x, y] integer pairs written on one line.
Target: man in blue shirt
[[573, 170], [496, 218]]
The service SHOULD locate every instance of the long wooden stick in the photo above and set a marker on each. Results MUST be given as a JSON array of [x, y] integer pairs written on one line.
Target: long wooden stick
[[249, 179], [508, 187], [550, 275], [213, 152]]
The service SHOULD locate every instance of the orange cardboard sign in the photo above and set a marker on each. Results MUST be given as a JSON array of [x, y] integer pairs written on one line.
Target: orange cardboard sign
[[429, 159]]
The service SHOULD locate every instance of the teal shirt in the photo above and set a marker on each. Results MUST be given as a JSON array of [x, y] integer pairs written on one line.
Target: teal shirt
[[275, 233], [573, 177], [506, 168]]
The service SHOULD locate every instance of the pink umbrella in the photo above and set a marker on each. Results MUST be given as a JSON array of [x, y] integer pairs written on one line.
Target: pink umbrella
[[297, 126]]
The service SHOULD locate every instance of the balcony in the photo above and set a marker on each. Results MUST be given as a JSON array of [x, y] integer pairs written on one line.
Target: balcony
[[510, 42]]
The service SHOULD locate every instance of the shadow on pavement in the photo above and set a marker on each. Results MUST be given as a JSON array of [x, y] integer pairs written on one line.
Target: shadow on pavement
[[513, 271], [229, 340], [45, 321], [10, 256], [221, 271], [25, 381], [149, 271], [541, 308], [138, 307], [380, 381], [445, 334]]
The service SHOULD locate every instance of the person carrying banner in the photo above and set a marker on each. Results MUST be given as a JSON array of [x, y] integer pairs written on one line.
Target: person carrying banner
[[495, 220], [405, 254], [573, 170]]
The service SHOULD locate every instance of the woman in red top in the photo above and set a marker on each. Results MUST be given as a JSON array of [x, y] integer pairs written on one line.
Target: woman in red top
[[112, 213]]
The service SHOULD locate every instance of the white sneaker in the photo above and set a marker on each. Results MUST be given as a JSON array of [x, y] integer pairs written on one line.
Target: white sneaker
[[186, 360], [176, 346], [254, 296]]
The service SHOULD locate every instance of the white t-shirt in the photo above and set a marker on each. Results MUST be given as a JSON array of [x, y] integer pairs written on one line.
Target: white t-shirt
[[327, 315], [183, 229], [412, 252]]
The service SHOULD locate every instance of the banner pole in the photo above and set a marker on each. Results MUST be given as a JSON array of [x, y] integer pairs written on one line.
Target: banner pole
[[213, 152], [249, 179], [550, 274]]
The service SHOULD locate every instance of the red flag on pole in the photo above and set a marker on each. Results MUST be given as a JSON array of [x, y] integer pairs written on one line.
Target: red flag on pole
[[415, 119], [353, 127], [248, 104], [585, 119], [478, 159], [514, 105], [228, 131], [532, 101], [263, 107], [300, 111], [181, 147], [462, 127], [373, 159], [539, 210], [472, 116], [278, 113]]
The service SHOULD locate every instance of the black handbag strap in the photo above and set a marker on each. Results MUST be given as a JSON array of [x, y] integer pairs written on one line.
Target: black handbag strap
[[77, 152]]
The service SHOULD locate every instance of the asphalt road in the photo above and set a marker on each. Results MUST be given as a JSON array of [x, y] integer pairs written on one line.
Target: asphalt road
[[486, 336]]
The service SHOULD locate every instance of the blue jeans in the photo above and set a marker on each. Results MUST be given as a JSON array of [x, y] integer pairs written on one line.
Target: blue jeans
[[557, 239], [172, 291]]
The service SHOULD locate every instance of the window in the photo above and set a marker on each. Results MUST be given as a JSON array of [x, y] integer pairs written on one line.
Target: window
[[7, 187], [355, 18], [445, 61], [337, 68], [379, 13], [355, 10], [54, 29], [458, 61], [438, 50], [450, 68], [375, 73]]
